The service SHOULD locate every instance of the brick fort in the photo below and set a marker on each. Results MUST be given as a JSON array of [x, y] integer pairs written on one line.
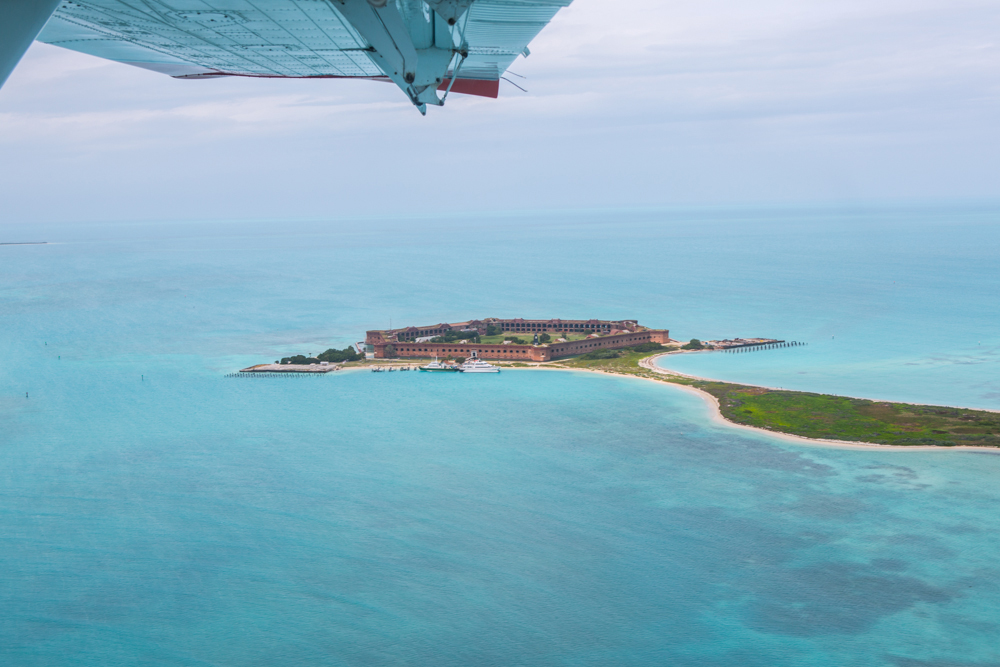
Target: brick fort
[[578, 337]]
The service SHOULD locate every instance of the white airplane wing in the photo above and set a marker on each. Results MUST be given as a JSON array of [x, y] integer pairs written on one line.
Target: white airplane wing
[[426, 47]]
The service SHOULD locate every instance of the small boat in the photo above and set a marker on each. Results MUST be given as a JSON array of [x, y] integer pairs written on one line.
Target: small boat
[[438, 366], [476, 365]]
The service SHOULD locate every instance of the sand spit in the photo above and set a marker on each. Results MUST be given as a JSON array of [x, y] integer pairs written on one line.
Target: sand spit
[[718, 418], [290, 368]]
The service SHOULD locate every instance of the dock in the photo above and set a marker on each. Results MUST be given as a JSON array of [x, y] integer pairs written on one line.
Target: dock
[[291, 368]]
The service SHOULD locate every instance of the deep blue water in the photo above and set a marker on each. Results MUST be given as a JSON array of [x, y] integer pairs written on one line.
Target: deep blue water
[[530, 518]]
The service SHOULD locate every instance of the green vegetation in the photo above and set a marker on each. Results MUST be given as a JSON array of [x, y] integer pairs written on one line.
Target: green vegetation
[[515, 340], [606, 353], [333, 356], [841, 418], [626, 361], [390, 351], [648, 347], [299, 359], [603, 353], [454, 336], [695, 344], [493, 330], [822, 416], [336, 356], [500, 336]]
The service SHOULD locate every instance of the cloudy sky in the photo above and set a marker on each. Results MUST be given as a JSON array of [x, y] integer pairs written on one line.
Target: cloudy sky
[[638, 103]]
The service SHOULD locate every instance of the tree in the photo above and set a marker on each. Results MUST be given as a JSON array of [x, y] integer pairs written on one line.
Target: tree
[[452, 336], [390, 351], [544, 338], [336, 356], [695, 344], [300, 360], [459, 360]]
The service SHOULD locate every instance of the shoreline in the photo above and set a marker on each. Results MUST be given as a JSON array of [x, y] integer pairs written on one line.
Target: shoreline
[[649, 364], [715, 409], [716, 416]]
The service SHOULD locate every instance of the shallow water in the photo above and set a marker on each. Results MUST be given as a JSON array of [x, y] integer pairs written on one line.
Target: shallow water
[[153, 511]]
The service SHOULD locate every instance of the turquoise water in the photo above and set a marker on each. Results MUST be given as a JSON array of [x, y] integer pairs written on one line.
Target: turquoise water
[[153, 511]]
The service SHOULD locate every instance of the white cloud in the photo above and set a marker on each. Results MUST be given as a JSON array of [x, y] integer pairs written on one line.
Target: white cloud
[[642, 102]]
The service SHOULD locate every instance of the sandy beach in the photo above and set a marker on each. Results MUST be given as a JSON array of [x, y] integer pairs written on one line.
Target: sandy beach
[[649, 364], [715, 412]]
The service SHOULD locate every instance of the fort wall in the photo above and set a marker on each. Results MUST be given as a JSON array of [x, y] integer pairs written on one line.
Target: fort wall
[[405, 349], [515, 325]]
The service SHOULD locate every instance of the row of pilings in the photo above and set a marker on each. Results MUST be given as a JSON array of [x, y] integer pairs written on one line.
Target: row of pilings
[[764, 346]]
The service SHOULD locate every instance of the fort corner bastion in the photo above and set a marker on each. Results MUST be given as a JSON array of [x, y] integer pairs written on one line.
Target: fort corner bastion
[[578, 337]]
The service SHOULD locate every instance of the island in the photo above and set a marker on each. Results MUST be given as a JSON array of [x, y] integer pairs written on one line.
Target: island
[[624, 347]]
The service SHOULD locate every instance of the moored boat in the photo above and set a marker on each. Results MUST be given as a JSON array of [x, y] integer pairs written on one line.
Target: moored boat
[[438, 366], [476, 365]]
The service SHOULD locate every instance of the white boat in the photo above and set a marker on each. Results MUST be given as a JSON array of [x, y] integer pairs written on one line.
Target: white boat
[[476, 365], [437, 366]]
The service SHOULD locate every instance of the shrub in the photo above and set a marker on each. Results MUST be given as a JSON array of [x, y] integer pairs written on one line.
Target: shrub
[[337, 356], [452, 336], [695, 344], [515, 340], [300, 359], [492, 330], [601, 354], [544, 338], [459, 360], [390, 351], [646, 347]]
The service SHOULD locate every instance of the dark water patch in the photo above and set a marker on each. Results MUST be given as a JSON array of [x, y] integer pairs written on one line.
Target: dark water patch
[[834, 598], [828, 507], [913, 662], [729, 450], [889, 564], [921, 546], [894, 479], [898, 471]]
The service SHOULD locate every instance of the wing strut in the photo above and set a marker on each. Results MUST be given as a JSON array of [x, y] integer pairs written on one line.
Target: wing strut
[[20, 23], [418, 69]]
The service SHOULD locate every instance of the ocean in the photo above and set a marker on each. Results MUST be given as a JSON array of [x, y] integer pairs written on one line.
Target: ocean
[[155, 512]]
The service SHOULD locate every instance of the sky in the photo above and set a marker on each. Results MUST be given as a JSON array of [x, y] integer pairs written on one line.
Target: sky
[[642, 103]]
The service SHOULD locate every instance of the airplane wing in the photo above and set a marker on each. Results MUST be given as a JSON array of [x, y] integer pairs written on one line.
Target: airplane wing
[[425, 47]]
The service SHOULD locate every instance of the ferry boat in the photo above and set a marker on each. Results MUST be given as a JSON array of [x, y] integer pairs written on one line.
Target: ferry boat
[[476, 365], [438, 366]]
